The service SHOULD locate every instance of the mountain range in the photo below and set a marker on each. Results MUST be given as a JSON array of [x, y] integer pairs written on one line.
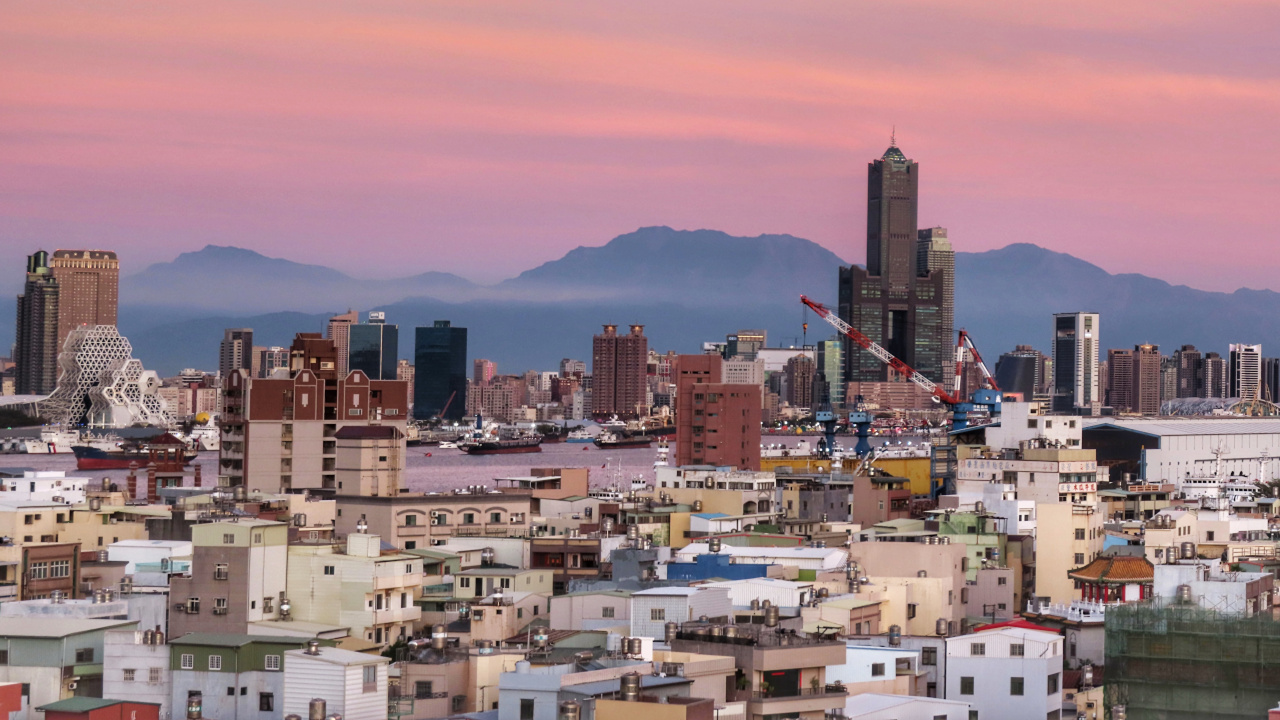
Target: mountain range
[[687, 287]]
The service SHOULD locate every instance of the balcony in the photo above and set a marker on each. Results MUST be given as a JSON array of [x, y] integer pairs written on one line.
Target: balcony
[[809, 700], [412, 531], [398, 580], [388, 616]]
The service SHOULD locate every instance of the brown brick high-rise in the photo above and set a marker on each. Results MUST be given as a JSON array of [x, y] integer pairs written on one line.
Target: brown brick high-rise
[[716, 423], [62, 292], [619, 385]]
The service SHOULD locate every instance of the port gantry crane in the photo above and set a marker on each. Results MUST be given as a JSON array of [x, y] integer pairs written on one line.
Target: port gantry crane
[[988, 398]]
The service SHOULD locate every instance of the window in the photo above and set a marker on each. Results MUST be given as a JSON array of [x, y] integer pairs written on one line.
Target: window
[[423, 690], [495, 517], [129, 674], [4, 657], [1015, 686], [1079, 558], [656, 614], [606, 611], [228, 539], [266, 702], [328, 570], [877, 669], [273, 662], [215, 662], [257, 538], [1208, 535], [468, 518], [221, 572], [966, 686], [526, 709], [1002, 581], [464, 582], [38, 571], [84, 655], [973, 715], [1053, 683], [911, 610], [231, 692], [411, 520], [188, 662], [370, 678], [60, 569], [1079, 533], [1017, 650], [928, 656], [154, 675], [977, 649], [460, 703]]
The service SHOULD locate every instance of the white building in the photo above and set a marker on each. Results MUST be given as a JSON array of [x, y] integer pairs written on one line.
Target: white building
[[45, 486], [1170, 449], [804, 558], [1244, 371], [1211, 587], [1007, 673], [878, 706], [873, 668], [147, 552], [97, 370], [352, 684], [652, 609], [783, 593], [135, 669]]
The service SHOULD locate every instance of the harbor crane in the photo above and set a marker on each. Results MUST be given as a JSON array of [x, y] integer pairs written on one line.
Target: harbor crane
[[986, 398]]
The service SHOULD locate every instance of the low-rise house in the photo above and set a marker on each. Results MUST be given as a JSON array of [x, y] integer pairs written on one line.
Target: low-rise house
[[783, 593], [56, 658], [1207, 584], [652, 609], [239, 677], [236, 577], [1006, 672], [502, 615], [86, 708], [484, 581], [931, 650], [591, 610], [135, 665], [879, 669], [352, 684]]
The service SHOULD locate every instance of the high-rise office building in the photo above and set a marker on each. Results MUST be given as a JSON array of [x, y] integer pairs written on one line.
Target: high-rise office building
[[1168, 378], [236, 351], [271, 359], [440, 371], [404, 371], [339, 331], [372, 347], [482, 371], [1244, 370], [1270, 379], [1147, 364], [37, 344], [1119, 394], [745, 343], [62, 292], [1189, 363], [831, 367], [1075, 361], [1024, 371], [572, 368], [900, 299], [935, 257], [619, 373]]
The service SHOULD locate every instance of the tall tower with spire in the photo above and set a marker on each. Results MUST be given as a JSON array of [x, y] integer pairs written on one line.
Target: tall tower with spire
[[902, 299]]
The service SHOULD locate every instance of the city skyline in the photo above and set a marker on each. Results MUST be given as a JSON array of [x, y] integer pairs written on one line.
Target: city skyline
[[530, 132]]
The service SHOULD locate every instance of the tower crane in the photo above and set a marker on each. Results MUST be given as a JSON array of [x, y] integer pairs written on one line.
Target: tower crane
[[964, 342], [960, 409]]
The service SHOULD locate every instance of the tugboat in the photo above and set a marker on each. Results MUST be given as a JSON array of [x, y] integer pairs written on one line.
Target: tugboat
[[493, 441], [610, 440]]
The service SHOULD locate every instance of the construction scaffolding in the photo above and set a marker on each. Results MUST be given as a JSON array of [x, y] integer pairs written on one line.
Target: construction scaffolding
[[1170, 661]]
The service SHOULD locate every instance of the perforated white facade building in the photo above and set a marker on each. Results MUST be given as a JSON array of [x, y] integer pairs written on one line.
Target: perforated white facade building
[[100, 383]]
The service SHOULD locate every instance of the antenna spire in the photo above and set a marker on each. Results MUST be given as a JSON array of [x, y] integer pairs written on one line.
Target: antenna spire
[[893, 136]]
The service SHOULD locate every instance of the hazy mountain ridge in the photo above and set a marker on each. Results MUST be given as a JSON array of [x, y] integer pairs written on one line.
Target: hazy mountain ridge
[[686, 286]]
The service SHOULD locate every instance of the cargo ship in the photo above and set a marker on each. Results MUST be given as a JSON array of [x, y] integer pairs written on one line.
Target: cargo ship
[[92, 457], [499, 445], [610, 440]]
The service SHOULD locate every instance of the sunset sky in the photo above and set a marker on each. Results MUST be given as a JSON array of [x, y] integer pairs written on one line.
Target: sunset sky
[[483, 138]]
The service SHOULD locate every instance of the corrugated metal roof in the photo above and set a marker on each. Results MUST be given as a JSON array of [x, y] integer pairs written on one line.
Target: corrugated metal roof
[[55, 627], [234, 639], [85, 704], [338, 656], [1191, 426]]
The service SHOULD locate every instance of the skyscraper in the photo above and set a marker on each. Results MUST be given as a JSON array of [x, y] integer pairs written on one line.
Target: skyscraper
[[89, 283], [1120, 380], [1190, 368], [1213, 376], [800, 373], [440, 371], [1075, 361], [62, 292], [373, 347], [900, 300], [482, 371], [1024, 371], [934, 255], [36, 347], [339, 331], [831, 367], [1244, 370], [619, 373], [236, 351]]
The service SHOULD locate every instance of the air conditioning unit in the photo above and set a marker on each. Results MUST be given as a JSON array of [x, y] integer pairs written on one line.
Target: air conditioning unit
[[180, 607], [72, 686]]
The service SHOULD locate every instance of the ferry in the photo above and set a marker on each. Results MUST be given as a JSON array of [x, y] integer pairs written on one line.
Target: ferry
[[52, 441]]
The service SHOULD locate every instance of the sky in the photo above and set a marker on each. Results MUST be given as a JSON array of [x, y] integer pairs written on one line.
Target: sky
[[484, 138]]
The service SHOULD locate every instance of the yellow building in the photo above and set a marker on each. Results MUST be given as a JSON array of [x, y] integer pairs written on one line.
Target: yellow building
[[1068, 536]]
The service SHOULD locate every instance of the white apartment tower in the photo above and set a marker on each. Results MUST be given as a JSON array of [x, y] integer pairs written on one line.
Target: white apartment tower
[[1244, 371]]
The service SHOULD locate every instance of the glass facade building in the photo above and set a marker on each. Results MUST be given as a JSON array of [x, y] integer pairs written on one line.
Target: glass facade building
[[440, 372]]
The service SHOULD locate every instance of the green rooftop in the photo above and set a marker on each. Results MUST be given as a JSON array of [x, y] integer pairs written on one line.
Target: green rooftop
[[85, 704]]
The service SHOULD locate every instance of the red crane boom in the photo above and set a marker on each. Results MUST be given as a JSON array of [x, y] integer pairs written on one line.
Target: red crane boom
[[964, 342], [884, 355]]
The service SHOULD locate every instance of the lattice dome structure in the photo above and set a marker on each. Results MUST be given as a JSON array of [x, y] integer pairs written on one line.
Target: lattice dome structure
[[100, 383]]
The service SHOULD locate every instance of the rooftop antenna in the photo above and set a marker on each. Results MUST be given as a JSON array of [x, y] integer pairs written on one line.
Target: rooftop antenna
[[893, 136]]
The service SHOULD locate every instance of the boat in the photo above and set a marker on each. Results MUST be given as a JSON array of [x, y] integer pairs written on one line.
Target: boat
[[93, 457], [613, 440], [490, 445], [663, 451], [446, 445], [553, 438], [52, 441], [579, 436]]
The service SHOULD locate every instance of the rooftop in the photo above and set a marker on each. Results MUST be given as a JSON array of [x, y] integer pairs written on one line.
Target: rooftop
[[1115, 569], [234, 640], [337, 656], [1198, 425], [85, 704], [55, 627]]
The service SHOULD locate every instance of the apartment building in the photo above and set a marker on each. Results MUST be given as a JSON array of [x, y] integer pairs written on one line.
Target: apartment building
[[236, 577], [361, 587], [421, 521], [55, 658], [237, 676], [1007, 672]]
